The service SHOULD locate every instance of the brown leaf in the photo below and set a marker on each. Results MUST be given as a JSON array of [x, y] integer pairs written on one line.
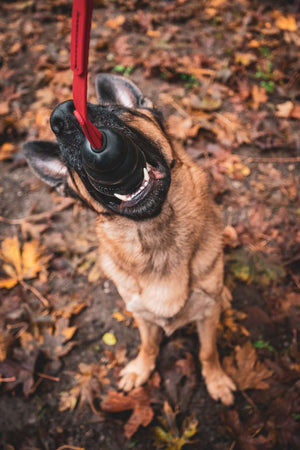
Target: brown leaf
[[245, 369], [88, 386], [138, 399], [55, 340]]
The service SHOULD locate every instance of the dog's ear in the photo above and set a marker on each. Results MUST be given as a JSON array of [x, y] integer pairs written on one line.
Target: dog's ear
[[45, 160], [117, 90]]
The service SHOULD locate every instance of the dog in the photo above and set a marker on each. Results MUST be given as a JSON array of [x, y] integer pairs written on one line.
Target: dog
[[162, 246]]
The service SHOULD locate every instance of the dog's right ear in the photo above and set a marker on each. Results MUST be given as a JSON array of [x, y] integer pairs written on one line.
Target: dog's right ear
[[45, 160], [117, 90]]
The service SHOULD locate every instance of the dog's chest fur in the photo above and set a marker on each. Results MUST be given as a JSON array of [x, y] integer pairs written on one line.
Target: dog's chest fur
[[151, 262]]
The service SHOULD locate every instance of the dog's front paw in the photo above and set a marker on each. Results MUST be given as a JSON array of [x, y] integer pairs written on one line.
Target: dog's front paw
[[135, 373], [220, 387]]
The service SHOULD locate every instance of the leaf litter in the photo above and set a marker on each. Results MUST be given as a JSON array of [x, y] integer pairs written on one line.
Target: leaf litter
[[225, 76]]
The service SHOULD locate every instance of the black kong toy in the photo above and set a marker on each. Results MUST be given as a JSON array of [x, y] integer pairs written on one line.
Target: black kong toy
[[117, 169]]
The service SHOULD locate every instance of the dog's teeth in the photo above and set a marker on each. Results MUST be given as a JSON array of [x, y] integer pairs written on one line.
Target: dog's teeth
[[146, 174], [124, 198]]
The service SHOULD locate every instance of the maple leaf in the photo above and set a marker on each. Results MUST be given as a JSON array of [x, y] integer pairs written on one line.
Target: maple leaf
[[88, 385], [169, 436], [21, 264], [55, 340], [138, 400], [245, 369], [286, 23]]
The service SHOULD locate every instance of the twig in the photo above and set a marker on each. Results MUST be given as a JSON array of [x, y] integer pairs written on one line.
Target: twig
[[69, 447], [37, 217], [7, 380], [42, 299], [47, 377], [288, 159], [249, 400]]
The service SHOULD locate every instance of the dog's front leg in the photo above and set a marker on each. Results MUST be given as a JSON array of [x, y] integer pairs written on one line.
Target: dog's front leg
[[218, 384], [138, 371]]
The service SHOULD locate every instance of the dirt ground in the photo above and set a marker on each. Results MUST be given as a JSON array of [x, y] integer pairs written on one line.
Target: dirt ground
[[226, 76]]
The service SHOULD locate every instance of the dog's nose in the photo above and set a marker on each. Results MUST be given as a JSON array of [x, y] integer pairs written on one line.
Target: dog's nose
[[61, 114]]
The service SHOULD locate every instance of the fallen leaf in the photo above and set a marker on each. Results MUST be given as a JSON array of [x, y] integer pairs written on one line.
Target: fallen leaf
[[6, 150], [21, 367], [168, 436], [88, 386], [245, 369], [109, 339], [244, 58], [55, 339], [179, 127], [259, 96], [284, 109], [115, 22], [21, 264], [286, 23], [137, 400]]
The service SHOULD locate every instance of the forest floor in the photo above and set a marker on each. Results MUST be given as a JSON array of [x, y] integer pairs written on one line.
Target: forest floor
[[226, 76]]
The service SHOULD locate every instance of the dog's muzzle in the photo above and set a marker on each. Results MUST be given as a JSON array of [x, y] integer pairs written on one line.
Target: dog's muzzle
[[118, 168]]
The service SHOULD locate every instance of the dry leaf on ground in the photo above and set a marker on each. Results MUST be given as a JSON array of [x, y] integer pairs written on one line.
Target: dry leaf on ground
[[55, 340], [138, 400], [245, 369], [88, 385], [21, 263]]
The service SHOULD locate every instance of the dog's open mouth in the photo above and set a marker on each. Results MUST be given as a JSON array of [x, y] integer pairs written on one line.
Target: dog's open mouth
[[150, 176]]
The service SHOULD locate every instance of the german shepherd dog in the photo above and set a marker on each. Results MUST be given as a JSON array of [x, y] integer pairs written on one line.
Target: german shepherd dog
[[161, 245]]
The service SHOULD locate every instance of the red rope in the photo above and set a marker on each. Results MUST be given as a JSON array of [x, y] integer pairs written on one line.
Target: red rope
[[80, 41]]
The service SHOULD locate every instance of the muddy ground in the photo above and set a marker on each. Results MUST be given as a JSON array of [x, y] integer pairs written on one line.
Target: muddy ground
[[226, 76]]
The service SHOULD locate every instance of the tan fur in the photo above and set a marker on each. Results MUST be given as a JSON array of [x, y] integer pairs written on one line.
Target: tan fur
[[169, 270]]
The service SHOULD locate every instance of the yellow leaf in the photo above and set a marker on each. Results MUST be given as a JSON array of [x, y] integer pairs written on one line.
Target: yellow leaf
[[244, 58], [10, 252], [32, 259], [286, 23], [20, 265], [8, 284], [94, 274], [109, 339]]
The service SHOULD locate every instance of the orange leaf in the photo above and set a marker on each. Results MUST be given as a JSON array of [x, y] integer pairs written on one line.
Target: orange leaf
[[138, 400], [10, 252], [286, 23], [6, 150], [32, 259], [115, 23]]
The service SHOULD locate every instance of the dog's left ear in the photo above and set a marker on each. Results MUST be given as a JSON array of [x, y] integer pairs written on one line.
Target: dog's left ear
[[117, 90], [45, 160]]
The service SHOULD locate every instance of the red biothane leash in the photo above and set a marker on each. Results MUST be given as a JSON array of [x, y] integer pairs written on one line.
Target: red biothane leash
[[80, 41]]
